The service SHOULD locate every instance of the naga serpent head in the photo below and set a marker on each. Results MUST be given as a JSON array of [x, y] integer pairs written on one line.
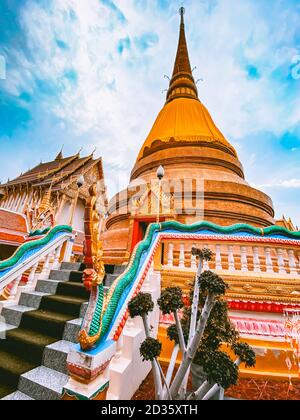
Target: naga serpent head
[[90, 278]]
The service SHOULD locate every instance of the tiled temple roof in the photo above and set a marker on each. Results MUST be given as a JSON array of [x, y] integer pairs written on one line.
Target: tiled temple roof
[[58, 172]]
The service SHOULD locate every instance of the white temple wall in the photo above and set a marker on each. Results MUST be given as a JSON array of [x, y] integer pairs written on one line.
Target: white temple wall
[[79, 217], [64, 216]]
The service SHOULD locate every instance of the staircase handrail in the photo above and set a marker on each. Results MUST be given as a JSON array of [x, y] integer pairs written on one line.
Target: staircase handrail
[[29, 253]]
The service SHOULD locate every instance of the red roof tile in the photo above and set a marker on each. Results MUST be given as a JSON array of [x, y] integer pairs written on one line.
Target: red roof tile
[[13, 227], [13, 222]]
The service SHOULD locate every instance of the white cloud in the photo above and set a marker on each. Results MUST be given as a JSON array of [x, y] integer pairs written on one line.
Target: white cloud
[[289, 183], [223, 39]]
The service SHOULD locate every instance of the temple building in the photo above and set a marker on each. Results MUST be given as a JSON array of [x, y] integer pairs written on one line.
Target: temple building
[[49, 195], [199, 163]]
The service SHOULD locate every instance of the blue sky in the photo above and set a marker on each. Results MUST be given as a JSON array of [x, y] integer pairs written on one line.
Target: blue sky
[[90, 73]]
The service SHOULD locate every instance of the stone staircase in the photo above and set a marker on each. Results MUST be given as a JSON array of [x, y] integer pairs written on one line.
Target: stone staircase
[[40, 331]]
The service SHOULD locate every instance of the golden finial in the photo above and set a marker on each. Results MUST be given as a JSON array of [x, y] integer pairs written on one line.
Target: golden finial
[[182, 13], [182, 76]]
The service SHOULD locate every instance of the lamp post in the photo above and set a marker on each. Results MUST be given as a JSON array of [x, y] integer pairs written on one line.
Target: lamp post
[[160, 174], [79, 183]]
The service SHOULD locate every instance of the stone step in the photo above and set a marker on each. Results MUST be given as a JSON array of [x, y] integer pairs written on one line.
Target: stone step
[[72, 330], [55, 356], [17, 396], [4, 327], [70, 266], [47, 286], [13, 314], [32, 299], [43, 384], [62, 275]]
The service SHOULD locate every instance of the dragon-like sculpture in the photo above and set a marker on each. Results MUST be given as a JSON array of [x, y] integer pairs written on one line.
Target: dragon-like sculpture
[[94, 274]]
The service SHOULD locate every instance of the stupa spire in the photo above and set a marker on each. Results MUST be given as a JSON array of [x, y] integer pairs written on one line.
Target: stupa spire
[[182, 84]]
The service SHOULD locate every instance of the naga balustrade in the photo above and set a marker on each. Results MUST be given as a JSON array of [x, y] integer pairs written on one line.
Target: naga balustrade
[[245, 257], [240, 249], [272, 252], [35, 258]]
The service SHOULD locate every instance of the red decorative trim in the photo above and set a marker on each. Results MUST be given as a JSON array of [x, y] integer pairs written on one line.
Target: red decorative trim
[[264, 307], [87, 374]]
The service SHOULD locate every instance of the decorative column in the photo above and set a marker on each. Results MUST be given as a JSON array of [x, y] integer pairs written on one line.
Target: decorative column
[[56, 262], [218, 258], [244, 259], [281, 261], [269, 262], [231, 266], [69, 249], [45, 270], [31, 278], [14, 288], [292, 262], [171, 255], [181, 257], [256, 260]]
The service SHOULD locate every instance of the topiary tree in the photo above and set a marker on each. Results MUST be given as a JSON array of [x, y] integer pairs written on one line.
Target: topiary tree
[[141, 305], [150, 349], [200, 336]]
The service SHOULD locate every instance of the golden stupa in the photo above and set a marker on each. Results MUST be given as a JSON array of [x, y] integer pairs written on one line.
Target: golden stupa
[[186, 141]]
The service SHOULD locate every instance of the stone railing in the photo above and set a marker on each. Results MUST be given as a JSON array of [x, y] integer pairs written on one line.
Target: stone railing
[[281, 259], [34, 259]]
